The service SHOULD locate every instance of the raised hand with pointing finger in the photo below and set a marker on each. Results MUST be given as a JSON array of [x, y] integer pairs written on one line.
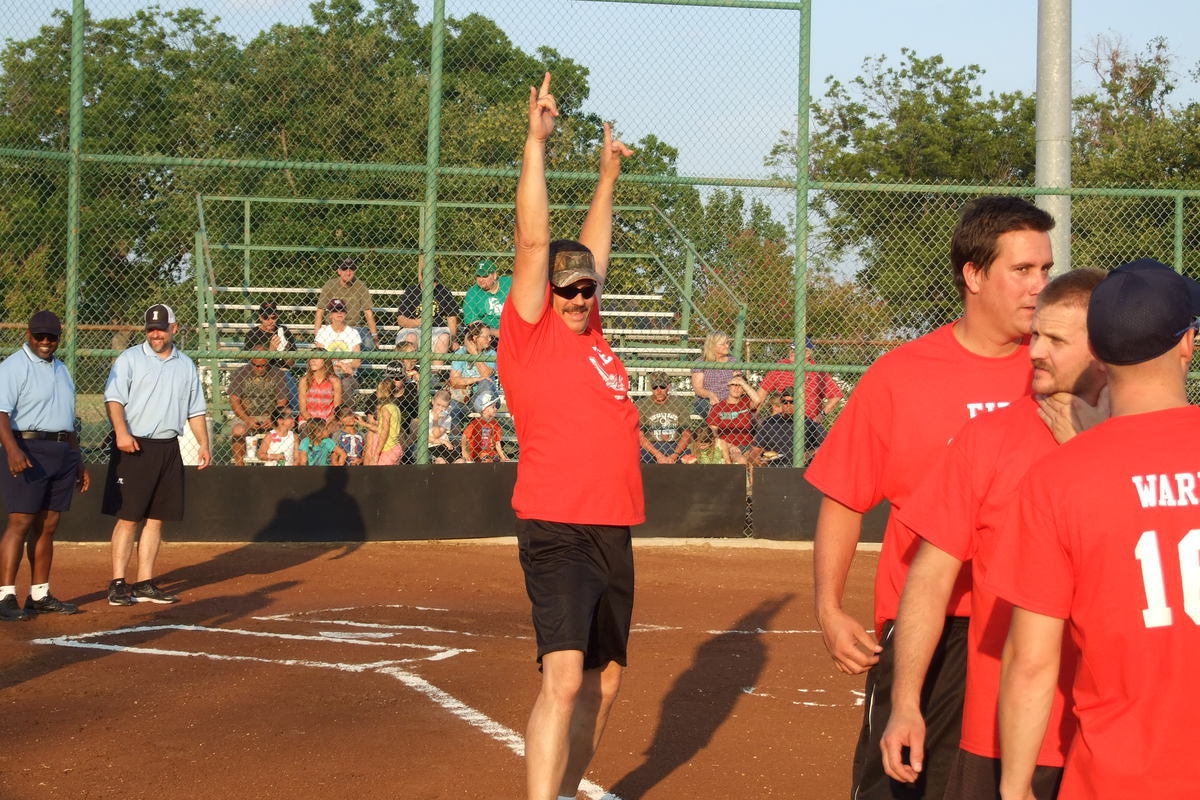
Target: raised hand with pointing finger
[[611, 153], [543, 108]]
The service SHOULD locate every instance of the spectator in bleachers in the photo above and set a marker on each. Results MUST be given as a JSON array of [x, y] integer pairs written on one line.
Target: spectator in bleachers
[[338, 337], [320, 391], [732, 419], [483, 440], [406, 394], [441, 451], [280, 447], [666, 422], [712, 384], [772, 445], [317, 446], [384, 391], [707, 448], [350, 441], [354, 294], [445, 315], [255, 391], [471, 378], [271, 334], [485, 300], [389, 432], [821, 395]]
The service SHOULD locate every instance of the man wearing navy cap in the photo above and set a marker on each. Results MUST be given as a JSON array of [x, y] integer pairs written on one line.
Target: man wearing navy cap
[[37, 432], [152, 392]]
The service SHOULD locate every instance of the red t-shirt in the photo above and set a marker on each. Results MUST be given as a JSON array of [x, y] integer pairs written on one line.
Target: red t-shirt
[[482, 435], [734, 421], [958, 508], [1107, 536], [818, 387], [906, 407], [576, 425]]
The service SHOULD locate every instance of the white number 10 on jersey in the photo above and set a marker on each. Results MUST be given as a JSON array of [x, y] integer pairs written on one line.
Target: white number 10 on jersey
[[1157, 613]]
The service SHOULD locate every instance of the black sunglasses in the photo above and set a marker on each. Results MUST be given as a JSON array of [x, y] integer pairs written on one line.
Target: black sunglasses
[[569, 292], [44, 337], [659, 386]]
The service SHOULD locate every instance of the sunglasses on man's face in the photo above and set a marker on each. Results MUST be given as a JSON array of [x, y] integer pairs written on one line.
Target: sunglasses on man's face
[[44, 337], [787, 402], [659, 386], [569, 292]]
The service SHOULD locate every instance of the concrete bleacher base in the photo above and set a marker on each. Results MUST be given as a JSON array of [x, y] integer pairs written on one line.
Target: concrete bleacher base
[[406, 503]]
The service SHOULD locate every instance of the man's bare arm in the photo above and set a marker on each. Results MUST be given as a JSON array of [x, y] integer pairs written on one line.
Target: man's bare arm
[[1028, 675], [838, 530], [597, 226], [531, 264], [919, 625]]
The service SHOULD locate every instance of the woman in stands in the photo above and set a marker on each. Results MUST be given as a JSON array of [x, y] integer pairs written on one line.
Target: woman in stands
[[320, 392], [712, 385]]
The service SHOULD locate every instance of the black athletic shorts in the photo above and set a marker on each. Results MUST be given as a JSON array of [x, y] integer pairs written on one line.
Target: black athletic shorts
[[147, 484], [48, 485], [580, 582], [975, 777], [941, 704]]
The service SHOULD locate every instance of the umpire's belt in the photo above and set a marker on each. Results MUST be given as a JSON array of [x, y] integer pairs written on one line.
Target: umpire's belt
[[53, 436]]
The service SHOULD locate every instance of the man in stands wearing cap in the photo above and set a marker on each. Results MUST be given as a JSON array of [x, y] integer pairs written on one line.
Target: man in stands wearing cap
[[1106, 536], [355, 296], [37, 432], [772, 443], [255, 391], [579, 484], [666, 423], [271, 334], [821, 396], [153, 390], [485, 300], [338, 337]]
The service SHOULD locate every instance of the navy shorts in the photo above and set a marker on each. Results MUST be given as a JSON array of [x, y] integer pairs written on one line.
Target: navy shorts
[[580, 582], [147, 484], [48, 485]]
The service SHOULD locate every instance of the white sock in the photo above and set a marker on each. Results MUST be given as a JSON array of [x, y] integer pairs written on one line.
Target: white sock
[[5, 591], [38, 591]]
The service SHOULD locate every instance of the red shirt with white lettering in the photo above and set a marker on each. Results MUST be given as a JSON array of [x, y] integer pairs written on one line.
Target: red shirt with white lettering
[[576, 425], [904, 411], [958, 508], [734, 420], [1107, 536]]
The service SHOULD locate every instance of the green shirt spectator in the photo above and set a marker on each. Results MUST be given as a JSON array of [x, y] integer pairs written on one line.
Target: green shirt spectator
[[485, 300]]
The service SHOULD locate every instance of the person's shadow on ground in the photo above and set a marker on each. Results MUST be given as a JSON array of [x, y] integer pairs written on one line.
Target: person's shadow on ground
[[702, 698]]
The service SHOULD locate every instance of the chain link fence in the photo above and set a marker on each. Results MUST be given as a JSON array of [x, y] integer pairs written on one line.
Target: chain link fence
[[216, 156]]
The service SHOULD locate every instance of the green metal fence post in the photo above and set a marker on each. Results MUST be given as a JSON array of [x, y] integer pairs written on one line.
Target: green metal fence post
[[689, 270], [429, 246], [246, 258], [1179, 233], [739, 333], [799, 320], [75, 144]]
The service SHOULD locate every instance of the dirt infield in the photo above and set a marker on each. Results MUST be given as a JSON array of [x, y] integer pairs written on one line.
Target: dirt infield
[[405, 670]]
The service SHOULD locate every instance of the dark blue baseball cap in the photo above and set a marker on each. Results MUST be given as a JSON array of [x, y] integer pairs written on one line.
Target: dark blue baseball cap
[[1140, 311]]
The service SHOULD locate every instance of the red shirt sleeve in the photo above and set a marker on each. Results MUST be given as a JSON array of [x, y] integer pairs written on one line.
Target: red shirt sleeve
[[942, 510], [1030, 565], [850, 465], [830, 390], [712, 415]]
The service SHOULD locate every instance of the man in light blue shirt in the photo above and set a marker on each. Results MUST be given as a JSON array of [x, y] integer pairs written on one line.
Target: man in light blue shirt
[[153, 390], [37, 432]]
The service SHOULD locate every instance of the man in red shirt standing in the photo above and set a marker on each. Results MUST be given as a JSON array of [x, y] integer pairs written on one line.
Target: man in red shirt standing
[[956, 511], [579, 485], [1107, 537], [906, 407]]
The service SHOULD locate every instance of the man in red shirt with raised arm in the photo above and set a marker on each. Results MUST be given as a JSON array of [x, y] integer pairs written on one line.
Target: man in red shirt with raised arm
[[579, 483]]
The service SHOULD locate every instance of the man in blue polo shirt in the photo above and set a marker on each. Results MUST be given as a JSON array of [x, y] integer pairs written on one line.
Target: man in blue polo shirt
[[153, 390], [37, 432]]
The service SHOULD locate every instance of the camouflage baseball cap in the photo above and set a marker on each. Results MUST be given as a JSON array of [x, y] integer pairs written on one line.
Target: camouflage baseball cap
[[571, 262]]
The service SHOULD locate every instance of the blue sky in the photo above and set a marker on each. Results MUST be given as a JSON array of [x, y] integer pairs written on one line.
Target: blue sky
[[721, 83]]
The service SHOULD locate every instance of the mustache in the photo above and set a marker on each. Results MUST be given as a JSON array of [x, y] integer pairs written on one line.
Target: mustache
[[571, 309], [1039, 364]]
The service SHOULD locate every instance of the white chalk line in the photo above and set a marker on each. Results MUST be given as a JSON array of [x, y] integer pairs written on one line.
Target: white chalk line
[[390, 627], [477, 719]]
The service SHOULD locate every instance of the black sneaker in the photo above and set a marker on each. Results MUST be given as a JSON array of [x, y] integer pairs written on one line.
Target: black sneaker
[[10, 611], [50, 605], [147, 592], [119, 593]]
